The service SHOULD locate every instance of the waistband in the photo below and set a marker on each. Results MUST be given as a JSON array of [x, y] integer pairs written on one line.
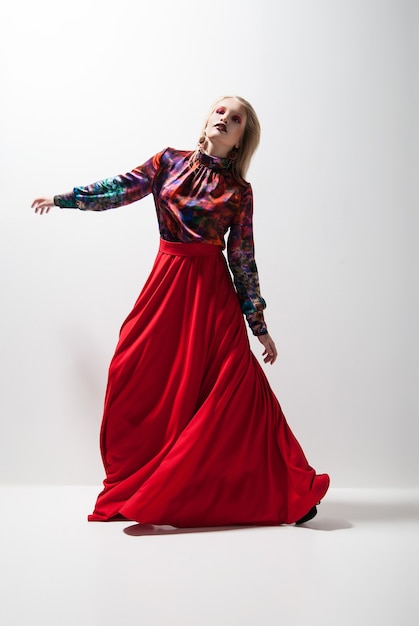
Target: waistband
[[176, 248]]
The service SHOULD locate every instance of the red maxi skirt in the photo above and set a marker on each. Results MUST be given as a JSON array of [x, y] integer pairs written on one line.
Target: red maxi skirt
[[192, 434]]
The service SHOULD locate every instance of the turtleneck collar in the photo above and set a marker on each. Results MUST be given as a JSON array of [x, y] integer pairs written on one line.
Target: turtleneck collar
[[216, 163]]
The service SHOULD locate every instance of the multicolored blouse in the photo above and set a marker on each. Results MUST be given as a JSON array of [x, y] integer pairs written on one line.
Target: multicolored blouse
[[197, 201]]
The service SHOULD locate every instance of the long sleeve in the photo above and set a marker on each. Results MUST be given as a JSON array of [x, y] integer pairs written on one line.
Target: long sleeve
[[113, 192], [241, 258]]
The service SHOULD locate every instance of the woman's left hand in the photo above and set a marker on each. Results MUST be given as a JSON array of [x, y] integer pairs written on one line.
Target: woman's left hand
[[270, 352]]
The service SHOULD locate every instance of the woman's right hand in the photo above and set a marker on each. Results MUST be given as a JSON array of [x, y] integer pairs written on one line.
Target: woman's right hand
[[42, 205]]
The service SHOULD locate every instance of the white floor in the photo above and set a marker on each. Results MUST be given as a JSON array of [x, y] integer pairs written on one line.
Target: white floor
[[355, 564]]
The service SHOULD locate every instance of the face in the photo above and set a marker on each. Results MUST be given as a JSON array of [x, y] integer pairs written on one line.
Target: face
[[225, 126]]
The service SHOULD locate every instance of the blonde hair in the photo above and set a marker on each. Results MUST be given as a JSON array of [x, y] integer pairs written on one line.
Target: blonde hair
[[248, 143]]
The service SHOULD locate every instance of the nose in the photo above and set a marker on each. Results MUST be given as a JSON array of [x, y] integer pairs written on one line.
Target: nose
[[224, 119]]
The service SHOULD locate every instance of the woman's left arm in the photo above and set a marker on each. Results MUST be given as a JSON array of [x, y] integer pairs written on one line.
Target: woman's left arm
[[241, 258]]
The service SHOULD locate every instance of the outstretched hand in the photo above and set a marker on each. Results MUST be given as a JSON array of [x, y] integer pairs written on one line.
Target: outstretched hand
[[42, 205], [270, 354]]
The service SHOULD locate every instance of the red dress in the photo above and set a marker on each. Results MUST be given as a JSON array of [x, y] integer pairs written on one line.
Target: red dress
[[192, 434]]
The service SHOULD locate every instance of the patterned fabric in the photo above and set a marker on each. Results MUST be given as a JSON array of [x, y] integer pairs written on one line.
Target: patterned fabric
[[197, 201]]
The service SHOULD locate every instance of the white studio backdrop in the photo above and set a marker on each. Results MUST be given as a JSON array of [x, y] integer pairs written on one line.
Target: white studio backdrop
[[91, 89]]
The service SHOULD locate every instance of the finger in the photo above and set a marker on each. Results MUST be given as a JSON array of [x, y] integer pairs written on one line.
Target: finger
[[271, 356], [42, 208]]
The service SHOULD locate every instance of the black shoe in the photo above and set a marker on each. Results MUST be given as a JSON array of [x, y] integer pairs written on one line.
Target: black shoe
[[312, 513]]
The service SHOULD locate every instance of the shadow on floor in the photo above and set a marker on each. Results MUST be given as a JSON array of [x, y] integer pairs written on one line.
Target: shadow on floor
[[340, 515], [371, 511], [331, 516], [139, 530]]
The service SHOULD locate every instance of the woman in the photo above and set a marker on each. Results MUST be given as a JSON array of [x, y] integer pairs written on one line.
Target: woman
[[192, 434]]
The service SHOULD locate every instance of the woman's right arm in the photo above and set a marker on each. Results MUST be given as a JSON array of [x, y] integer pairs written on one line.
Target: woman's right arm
[[108, 193]]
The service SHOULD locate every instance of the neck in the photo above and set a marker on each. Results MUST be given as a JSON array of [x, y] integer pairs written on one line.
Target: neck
[[212, 149]]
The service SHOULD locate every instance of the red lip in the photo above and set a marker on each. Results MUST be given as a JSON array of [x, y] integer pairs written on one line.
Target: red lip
[[222, 127]]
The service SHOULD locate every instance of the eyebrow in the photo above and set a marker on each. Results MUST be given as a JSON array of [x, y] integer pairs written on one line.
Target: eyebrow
[[234, 112]]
